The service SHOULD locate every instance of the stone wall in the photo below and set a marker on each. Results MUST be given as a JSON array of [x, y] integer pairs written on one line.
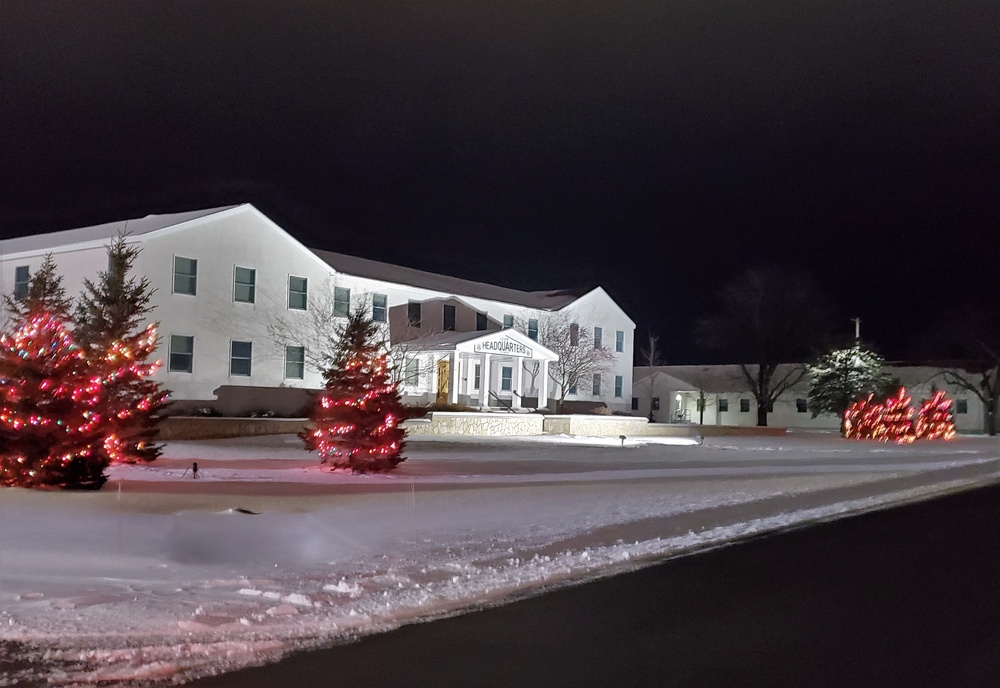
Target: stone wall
[[476, 424], [192, 428], [612, 426]]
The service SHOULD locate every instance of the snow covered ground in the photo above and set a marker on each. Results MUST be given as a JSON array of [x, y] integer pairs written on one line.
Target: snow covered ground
[[160, 577]]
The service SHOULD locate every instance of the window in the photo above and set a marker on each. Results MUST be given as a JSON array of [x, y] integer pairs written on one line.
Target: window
[[379, 303], [245, 280], [181, 354], [744, 406], [574, 334], [341, 302], [481, 321], [723, 405], [295, 362], [185, 275], [476, 373], [597, 384], [654, 403], [699, 404], [506, 378], [572, 389], [770, 407], [412, 376], [22, 277], [635, 403], [619, 341], [598, 336], [619, 383], [508, 321], [801, 406], [961, 406], [298, 293], [413, 313], [533, 329], [239, 358], [449, 318]]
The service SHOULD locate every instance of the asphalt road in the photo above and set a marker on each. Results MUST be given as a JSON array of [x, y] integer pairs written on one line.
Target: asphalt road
[[904, 597]]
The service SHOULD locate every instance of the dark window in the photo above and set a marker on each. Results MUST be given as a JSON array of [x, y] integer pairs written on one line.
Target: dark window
[[245, 280], [412, 372], [379, 307], [598, 336], [181, 354], [413, 313], [961, 406], [298, 293], [506, 378], [476, 373], [481, 321], [770, 407], [597, 384], [574, 334], [654, 403], [619, 383], [619, 341], [744, 406], [449, 318], [533, 329], [295, 362], [22, 278], [185, 275], [240, 354], [572, 389], [508, 321], [635, 403], [801, 406], [341, 302], [723, 405], [699, 404]]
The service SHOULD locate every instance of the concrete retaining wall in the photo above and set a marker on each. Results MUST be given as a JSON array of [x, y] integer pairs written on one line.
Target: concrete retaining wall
[[192, 428], [476, 424]]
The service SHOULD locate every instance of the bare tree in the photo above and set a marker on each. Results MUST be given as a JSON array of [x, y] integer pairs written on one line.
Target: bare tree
[[650, 356], [318, 335], [579, 357], [766, 318]]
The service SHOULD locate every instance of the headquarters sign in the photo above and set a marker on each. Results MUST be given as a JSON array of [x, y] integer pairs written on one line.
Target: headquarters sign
[[505, 346]]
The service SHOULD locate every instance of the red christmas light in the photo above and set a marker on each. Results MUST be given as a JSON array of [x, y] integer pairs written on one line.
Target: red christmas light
[[893, 420]]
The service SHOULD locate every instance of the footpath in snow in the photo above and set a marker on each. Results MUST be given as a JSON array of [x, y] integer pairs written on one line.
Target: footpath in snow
[[160, 577]]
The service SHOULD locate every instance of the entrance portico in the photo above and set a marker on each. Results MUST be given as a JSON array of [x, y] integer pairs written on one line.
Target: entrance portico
[[488, 366]]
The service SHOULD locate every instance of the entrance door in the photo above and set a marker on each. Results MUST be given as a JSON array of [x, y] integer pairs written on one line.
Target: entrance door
[[444, 376]]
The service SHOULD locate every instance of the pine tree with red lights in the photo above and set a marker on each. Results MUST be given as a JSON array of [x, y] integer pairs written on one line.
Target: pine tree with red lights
[[356, 419], [50, 428], [934, 419], [897, 420], [109, 319]]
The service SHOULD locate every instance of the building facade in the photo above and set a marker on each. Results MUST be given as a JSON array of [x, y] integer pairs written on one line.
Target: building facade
[[243, 304], [716, 395]]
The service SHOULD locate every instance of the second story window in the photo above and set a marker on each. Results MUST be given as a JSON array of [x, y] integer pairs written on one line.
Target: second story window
[[619, 341], [379, 307], [574, 334], [22, 277], [244, 284], [413, 313], [597, 385], [598, 337], [449, 318], [341, 302], [508, 320], [298, 293], [533, 329], [185, 275], [481, 321]]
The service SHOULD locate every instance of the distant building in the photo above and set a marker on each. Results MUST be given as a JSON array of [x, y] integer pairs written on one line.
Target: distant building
[[224, 275], [716, 395]]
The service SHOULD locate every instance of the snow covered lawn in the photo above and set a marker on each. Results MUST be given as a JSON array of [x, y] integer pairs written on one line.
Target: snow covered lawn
[[162, 577]]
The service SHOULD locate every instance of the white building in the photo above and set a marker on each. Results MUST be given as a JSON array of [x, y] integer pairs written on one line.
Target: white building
[[225, 278], [716, 395]]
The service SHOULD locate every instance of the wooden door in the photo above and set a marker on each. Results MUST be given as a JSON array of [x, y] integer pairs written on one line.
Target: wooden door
[[444, 377]]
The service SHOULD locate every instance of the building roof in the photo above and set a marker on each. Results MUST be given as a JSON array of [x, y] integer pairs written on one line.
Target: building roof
[[103, 232], [713, 379], [386, 272]]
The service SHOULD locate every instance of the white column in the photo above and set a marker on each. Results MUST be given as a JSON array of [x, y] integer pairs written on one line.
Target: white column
[[484, 381], [543, 387], [453, 378], [515, 384]]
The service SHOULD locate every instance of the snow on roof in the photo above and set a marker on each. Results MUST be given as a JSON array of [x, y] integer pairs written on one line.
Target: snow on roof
[[397, 274], [103, 232]]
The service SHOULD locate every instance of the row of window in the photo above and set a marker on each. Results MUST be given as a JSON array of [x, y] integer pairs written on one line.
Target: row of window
[[180, 358], [801, 405], [412, 377]]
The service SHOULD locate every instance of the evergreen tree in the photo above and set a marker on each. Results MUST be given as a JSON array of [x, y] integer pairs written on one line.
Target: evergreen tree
[[46, 296], [844, 376], [356, 419], [934, 419], [109, 317], [50, 432]]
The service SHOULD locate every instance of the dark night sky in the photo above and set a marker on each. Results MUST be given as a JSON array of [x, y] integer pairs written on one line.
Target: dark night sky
[[654, 147]]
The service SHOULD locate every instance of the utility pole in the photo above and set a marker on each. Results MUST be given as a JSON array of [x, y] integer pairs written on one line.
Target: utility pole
[[857, 329]]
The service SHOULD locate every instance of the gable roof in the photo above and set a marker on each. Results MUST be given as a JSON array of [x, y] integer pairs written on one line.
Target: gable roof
[[103, 232], [386, 272]]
